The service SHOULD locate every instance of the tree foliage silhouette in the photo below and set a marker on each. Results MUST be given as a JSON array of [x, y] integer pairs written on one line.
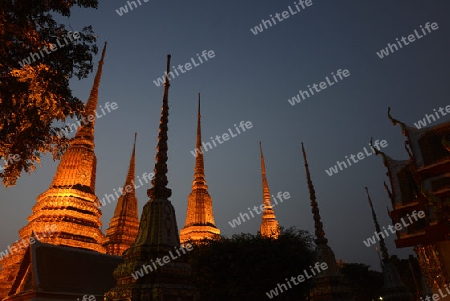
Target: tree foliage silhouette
[[33, 96]]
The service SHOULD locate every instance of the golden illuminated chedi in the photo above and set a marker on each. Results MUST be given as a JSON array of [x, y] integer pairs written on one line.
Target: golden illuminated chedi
[[199, 216], [269, 224], [124, 225], [70, 202]]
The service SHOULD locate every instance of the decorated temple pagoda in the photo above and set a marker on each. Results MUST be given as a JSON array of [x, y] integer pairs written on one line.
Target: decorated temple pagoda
[[269, 224], [422, 183], [330, 284], [199, 223]]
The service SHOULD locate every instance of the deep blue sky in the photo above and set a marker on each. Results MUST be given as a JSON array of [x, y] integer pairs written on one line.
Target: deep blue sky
[[250, 79]]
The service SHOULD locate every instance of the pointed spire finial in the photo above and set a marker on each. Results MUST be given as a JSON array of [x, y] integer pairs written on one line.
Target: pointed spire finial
[[91, 105], [86, 130], [159, 182], [379, 152], [384, 250], [131, 171], [320, 233], [396, 121], [266, 191], [199, 222], [199, 105], [124, 225], [269, 224], [199, 170], [166, 81], [263, 167], [392, 119]]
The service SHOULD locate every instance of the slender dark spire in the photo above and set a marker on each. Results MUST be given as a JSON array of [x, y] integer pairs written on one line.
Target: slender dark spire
[[329, 284], [199, 171], [384, 250], [393, 289], [159, 182], [156, 238], [320, 233]]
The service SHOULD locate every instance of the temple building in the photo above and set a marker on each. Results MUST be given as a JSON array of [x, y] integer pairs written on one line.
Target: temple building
[[69, 261], [69, 205], [199, 214], [48, 272], [124, 225], [393, 289], [329, 284], [269, 224], [68, 256], [156, 239], [422, 183]]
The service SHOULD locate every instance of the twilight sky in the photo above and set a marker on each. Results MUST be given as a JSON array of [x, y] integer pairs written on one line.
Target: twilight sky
[[250, 78]]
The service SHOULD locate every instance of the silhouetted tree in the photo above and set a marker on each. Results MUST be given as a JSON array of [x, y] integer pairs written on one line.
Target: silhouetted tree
[[366, 284], [38, 57], [247, 266]]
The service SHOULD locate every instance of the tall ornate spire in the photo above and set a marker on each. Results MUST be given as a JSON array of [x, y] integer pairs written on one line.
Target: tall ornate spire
[[269, 224], [84, 138], [199, 214], [384, 251], [129, 182], [157, 238], [199, 170], [265, 186], [163, 232], [86, 130], [124, 225], [329, 285], [393, 289], [70, 203], [320, 233], [159, 182]]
